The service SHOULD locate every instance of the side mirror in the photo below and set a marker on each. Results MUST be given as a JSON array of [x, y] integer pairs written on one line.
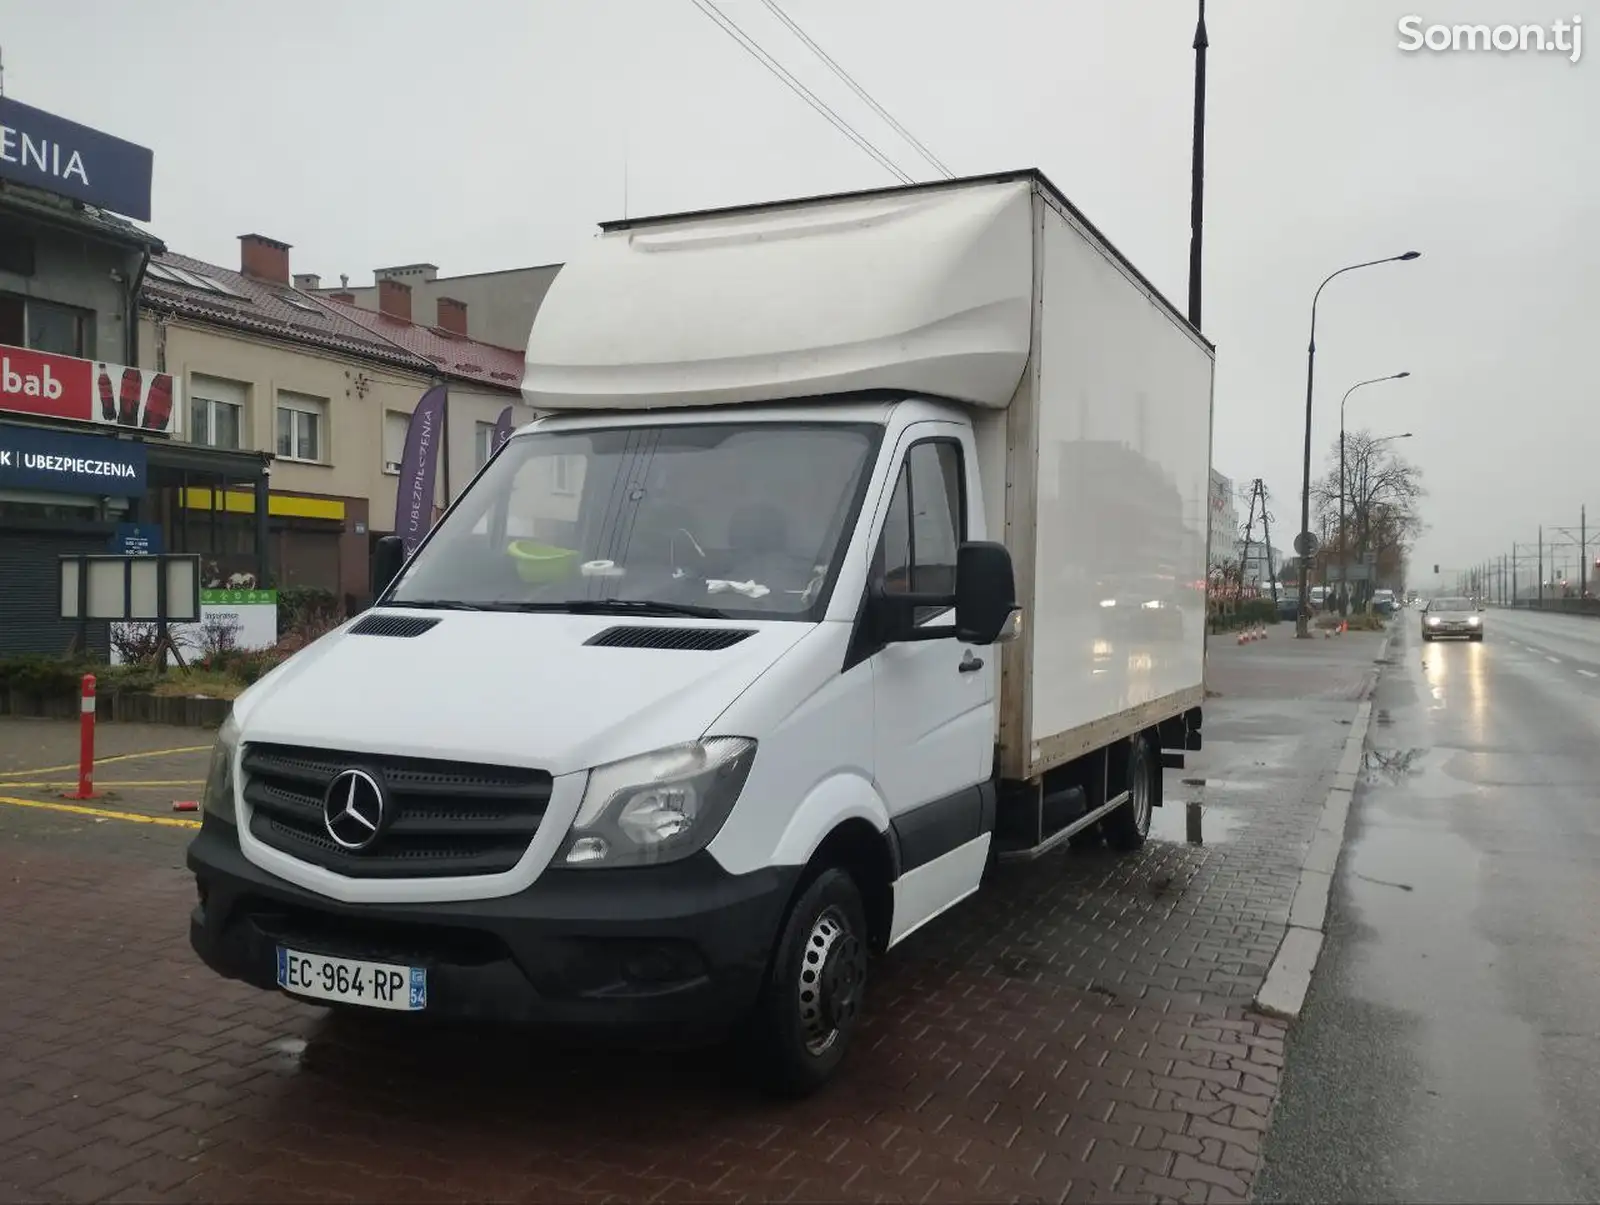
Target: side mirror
[[388, 558], [986, 594]]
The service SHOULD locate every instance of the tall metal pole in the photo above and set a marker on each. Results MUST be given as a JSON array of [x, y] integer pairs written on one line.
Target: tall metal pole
[[1583, 553], [1541, 567], [1513, 575], [1302, 626], [1198, 167]]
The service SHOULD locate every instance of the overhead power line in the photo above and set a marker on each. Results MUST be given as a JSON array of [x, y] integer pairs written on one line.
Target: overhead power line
[[849, 80], [753, 48]]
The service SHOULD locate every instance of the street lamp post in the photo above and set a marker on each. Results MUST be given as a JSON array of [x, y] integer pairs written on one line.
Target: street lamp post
[[1302, 621], [1197, 166], [1344, 559]]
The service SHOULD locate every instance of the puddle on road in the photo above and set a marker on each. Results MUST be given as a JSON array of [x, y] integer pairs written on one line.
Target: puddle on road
[[1217, 824], [293, 1052], [1391, 766]]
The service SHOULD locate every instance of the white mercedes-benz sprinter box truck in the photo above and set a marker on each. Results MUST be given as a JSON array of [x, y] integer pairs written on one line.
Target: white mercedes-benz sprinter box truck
[[860, 544]]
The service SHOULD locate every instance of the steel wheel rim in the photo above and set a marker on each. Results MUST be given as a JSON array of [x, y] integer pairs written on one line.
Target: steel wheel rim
[[832, 972], [1139, 791]]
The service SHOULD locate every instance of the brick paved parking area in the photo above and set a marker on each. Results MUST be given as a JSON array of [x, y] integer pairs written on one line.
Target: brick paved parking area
[[1079, 1031]]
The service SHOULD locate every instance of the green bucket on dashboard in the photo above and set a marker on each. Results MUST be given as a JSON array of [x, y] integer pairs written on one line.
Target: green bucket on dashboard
[[539, 564]]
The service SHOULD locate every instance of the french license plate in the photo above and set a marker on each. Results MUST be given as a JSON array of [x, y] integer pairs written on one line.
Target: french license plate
[[348, 981]]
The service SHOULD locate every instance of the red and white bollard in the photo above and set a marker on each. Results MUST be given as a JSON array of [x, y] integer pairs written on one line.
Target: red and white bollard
[[86, 740]]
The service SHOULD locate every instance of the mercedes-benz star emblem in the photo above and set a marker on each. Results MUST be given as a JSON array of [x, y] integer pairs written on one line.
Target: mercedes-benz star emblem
[[353, 810]]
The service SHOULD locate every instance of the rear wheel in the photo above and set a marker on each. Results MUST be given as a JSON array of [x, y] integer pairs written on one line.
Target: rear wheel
[[810, 1007], [1128, 826]]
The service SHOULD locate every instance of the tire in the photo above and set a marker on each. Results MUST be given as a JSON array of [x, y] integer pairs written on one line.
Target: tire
[[1476, 638], [1426, 639], [1128, 826], [810, 1005]]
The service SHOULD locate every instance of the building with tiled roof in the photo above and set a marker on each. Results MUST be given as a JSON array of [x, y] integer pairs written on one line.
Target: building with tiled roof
[[492, 307], [447, 352], [326, 389]]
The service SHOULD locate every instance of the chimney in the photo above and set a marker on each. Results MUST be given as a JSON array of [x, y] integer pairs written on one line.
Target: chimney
[[453, 316], [264, 258], [347, 298], [394, 299], [309, 281]]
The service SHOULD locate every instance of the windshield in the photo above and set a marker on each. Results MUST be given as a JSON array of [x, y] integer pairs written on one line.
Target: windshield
[[1452, 604], [718, 519]]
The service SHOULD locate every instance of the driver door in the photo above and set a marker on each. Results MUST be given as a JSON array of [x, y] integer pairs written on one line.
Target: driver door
[[933, 701]]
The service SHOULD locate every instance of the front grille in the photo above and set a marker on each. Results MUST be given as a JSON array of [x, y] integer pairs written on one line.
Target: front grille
[[445, 818]]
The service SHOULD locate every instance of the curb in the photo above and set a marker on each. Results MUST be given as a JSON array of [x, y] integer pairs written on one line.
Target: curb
[[1283, 993]]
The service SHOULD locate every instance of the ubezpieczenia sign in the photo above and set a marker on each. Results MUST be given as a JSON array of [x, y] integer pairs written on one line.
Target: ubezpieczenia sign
[[63, 462]]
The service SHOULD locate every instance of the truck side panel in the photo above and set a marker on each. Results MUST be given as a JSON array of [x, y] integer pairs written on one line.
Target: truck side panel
[[1123, 435]]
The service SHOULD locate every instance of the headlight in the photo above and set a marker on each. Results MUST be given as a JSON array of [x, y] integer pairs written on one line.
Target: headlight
[[218, 797], [1473, 621], [660, 806], [1433, 620]]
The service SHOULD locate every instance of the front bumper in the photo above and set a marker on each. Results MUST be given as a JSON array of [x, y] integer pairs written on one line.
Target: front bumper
[[658, 953], [1451, 629]]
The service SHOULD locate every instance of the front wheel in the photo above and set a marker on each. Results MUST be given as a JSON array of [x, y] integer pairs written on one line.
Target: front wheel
[[1476, 637], [1128, 826], [810, 1007]]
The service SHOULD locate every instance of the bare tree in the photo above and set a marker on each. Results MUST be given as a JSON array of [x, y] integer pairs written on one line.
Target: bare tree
[[1382, 494]]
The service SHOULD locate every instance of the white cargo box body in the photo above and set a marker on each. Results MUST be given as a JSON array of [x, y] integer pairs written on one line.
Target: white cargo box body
[[1089, 394]]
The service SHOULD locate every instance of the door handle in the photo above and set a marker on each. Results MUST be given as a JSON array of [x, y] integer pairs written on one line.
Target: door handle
[[969, 663]]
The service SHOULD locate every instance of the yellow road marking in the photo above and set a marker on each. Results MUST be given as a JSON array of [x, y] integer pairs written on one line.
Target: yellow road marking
[[78, 809], [13, 784], [8, 775]]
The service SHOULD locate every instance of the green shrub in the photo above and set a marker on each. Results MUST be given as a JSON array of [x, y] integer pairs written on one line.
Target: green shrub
[[303, 608]]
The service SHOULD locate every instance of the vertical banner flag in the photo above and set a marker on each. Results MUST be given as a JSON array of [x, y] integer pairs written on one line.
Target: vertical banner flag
[[414, 509], [502, 430]]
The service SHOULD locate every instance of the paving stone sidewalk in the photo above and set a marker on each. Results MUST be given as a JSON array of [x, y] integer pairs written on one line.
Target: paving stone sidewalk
[[1078, 1031]]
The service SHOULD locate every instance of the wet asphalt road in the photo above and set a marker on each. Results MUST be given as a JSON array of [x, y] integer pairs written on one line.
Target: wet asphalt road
[[1450, 1047]]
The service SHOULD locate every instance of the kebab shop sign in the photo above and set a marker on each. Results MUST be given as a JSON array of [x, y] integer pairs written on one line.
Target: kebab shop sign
[[88, 391]]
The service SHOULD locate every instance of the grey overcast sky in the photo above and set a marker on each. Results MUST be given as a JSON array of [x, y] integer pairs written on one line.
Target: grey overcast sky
[[493, 134]]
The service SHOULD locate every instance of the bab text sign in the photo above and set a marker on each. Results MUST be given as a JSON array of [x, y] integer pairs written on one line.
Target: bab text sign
[[88, 391]]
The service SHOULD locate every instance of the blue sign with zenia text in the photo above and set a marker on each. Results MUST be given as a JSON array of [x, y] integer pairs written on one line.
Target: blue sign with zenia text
[[60, 156], [32, 458]]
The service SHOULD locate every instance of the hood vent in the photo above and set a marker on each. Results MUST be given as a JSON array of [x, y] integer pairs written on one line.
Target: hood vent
[[401, 626], [698, 640]]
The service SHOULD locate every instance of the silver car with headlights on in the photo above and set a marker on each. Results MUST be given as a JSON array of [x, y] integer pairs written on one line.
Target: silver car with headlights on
[[1453, 617]]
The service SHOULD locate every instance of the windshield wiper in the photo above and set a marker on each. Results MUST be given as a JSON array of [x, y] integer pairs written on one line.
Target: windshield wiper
[[638, 606], [439, 604], [571, 606]]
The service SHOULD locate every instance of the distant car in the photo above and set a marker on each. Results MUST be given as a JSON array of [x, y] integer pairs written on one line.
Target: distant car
[[1288, 604], [1383, 602], [1451, 617]]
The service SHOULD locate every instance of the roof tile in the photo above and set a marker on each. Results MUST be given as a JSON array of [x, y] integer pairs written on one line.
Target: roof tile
[[460, 357]]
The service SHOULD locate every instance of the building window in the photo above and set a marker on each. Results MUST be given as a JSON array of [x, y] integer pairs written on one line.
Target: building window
[[482, 443], [173, 274], [396, 425], [216, 412], [301, 420], [45, 326], [561, 476]]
